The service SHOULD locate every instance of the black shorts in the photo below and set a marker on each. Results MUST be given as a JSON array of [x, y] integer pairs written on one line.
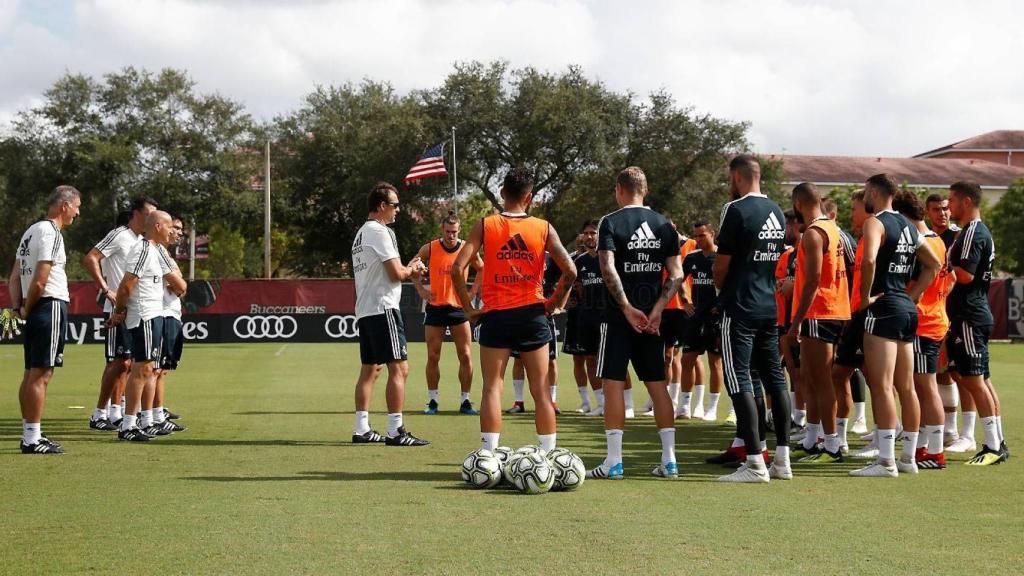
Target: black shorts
[[850, 351], [899, 326], [522, 329], [173, 342], [673, 327], [571, 342], [382, 338], [118, 342], [926, 355], [827, 331], [619, 345], [703, 334], [147, 340], [794, 349], [46, 331], [588, 334], [750, 348], [968, 348], [444, 316]]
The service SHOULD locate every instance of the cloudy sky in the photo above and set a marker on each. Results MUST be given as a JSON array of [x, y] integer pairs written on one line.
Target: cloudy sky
[[857, 77]]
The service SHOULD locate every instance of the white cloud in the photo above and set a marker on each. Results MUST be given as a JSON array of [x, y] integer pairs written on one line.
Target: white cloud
[[849, 77]]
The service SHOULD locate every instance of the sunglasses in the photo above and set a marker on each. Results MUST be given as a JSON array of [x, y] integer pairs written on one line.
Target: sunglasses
[[394, 204]]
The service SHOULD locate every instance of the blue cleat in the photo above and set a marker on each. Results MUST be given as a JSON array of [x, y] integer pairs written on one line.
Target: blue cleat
[[431, 407], [467, 408], [667, 470], [604, 472]]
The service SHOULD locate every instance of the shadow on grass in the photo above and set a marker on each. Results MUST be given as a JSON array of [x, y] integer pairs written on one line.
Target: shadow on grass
[[407, 476], [293, 413]]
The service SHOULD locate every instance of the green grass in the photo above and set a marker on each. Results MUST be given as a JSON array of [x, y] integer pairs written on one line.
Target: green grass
[[266, 482]]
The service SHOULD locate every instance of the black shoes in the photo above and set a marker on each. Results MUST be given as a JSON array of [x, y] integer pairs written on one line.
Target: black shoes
[[43, 446], [368, 437], [404, 438], [103, 425], [133, 435]]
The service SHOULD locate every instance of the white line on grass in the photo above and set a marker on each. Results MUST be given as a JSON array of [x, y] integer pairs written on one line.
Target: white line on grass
[[281, 350]]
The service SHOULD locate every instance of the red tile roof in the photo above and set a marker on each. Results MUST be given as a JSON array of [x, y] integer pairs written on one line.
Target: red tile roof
[[996, 140], [922, 172]]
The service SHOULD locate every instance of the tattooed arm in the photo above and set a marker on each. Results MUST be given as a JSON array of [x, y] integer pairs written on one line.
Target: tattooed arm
[[566, 265]]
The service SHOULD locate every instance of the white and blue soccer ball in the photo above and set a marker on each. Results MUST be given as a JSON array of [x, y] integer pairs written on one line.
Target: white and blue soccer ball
[[506, 469], [532, 473], [481, 469], [569, 470]]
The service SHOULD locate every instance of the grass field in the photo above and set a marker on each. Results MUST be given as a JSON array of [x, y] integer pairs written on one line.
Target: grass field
[[266, 482]]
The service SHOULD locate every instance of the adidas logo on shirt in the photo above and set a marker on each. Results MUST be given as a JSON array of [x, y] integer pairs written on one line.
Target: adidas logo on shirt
[[906, 243], [772, 229], [643, 238], [516, 249]]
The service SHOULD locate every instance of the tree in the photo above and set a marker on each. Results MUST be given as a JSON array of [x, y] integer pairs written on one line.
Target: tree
[[1007, 231]]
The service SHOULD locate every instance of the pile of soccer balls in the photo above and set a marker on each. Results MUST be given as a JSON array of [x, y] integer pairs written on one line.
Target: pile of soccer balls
[[529, 469]]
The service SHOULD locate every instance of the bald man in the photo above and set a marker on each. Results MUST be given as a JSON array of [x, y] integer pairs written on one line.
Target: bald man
[[139, 306]]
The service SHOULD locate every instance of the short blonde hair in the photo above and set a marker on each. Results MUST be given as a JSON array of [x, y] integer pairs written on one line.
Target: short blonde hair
[[632, 179]]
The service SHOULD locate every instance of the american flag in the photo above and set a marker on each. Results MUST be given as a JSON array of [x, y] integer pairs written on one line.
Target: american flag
[[430, 164]]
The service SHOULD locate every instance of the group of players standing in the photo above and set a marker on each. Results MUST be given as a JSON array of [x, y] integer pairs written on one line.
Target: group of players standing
[[140, 287], [826, 307]]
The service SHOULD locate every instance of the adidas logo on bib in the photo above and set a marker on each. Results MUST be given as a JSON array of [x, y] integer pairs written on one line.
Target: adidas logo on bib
[[772, 229], [516, 249], [643, 238]]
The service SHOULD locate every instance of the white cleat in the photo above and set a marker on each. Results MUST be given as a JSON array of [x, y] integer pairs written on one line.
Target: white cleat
[[683, 414], [599, 411], [630, 413], [869, 436], [747, 475], [780, 471], [867, 452], [949, 437], [906, 466], [963, 444], [798, 436], [698, 412], [585, 409], [876, 470], [711, 415], [648, 407], [648, 413], [859, 426], [730, 419]]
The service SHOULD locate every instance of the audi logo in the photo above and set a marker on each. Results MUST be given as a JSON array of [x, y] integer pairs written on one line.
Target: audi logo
[[342, 326], [265, 327]]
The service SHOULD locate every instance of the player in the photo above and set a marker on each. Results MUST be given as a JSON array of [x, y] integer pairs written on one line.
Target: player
[[174, 338], [891, 247], [821, 307], [106, 264], [703, 325], [38, 287], [634, 245], [139, 307], [932, 325], [379, 275], [970, 259], [750, 241], [683, 389], [515, 311], [443, 312], [785, 276], [581, 369]]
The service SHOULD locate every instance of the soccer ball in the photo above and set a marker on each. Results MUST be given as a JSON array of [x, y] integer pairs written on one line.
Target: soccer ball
[[531, 449], [503, 453], [532, 474], [481, 469], [568, 469], [506, 469]]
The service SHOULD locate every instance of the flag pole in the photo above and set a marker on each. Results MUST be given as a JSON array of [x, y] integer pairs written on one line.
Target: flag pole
[[455, 169]]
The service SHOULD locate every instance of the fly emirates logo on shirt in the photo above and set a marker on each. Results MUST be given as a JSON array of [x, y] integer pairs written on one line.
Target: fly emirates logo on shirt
[[643, 239], [901, 263], [772, 230]]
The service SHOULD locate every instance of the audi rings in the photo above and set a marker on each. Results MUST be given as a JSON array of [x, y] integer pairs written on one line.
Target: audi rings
[[257, 327], [342, 326]]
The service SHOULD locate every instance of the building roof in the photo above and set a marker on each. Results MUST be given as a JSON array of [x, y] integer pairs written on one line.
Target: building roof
[[995, 141], [918, 172]]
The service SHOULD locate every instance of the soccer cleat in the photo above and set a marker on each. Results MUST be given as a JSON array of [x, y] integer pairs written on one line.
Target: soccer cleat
[[683, 413], [431, 408], [102, 425], [404, 438], [648, 407], [731, 456], [558, 411], [987, 457], [963, 444], [949, 437], [931, 461], [876, 470], [599, 411], [698, 412], [906, 465], [170, 427], [467, 408], [711, 415], [156, 430], [133, 434], [869, 436], [1005, 450], [866, 453], [822, 456], [859, 426], [603, 472], [584, 409], [647, 413], [43, 446], [667, 470], [746, 474], [731, 418], [368, 437], [780, 471], [630, 413], [168, 415], [517, 408], [798, 436], [117, 423], [812, 451]]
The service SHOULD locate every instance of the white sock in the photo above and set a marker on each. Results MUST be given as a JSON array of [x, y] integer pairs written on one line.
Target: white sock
[[922, 438], [698, 396], [841, 426], [782, 455], [858, 410], [967, 424], [713, 401], [668, 444], [764, 445], [934, 434], [989, 425], [673, 392], [614, 439], [812, 435], [627, 396], [546, 441], [909, 445], [465, 396], [599, 394], [362, 422], [517, 386], [114, 412], [31, 432], [158, 415], [554, 393], [433, 395], [684, 401], [951, 423], [755, 460], [147, 419], [124, 404], [489, 440], [737, 442], [128, 422], [584, 395], [99, 414], [999, 427], [832, 443], [394, 423], [800, 417], [886, 444], [792, 405]]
